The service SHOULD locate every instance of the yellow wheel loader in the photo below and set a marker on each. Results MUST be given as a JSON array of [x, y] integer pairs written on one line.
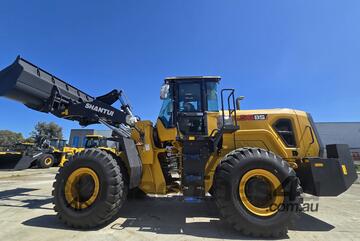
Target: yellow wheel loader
[[26, 155], [255, 163], [55, 153], [61, 151], [91, 141]]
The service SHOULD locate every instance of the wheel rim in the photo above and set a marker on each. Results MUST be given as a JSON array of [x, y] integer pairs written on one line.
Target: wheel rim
[[82, 188], [48, 161], [261, 192]]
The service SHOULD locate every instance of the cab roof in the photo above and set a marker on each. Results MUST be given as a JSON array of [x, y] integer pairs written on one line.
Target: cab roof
[[190, 78], [95, 136], [26, 143]]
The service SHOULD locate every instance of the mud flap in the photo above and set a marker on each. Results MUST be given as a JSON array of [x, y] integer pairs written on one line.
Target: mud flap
[[134, 162]]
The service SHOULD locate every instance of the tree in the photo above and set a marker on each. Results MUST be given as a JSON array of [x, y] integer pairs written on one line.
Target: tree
[[46, 130], [9, 138]]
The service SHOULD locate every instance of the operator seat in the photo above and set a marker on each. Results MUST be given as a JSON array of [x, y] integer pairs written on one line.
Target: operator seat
[[188, 107]]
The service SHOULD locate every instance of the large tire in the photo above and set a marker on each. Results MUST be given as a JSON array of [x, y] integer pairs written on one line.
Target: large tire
[[105, 201], [46, 161], [230, 173]]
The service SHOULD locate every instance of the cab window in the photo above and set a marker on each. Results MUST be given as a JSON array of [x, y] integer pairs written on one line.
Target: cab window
[[212, 97], [54, 143], [166, 111], [190, 97], [91, 143], [285, 130], [190, 120]]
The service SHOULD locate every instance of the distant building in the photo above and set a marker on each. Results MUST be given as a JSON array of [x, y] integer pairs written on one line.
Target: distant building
[[78, 136], [341, 133], [330, 133]]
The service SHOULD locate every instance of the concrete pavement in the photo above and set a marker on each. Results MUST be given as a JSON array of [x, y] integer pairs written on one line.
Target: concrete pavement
[[26, 214]]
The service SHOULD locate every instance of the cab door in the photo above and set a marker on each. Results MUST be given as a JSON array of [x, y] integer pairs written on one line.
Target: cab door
[[190, 108]]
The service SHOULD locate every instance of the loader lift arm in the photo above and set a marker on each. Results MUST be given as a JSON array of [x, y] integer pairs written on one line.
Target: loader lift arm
[[41, 91]]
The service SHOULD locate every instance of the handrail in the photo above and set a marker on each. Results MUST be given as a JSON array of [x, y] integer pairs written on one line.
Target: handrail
[[232, 111]]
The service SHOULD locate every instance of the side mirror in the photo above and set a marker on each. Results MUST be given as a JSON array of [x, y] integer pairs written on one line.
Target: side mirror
[[164, 91]]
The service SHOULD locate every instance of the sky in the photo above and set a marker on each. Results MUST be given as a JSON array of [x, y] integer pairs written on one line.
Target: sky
[[300, 54]]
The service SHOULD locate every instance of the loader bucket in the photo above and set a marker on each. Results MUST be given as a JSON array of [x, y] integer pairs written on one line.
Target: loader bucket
[[32, 86], [10, 160], [18, 161]]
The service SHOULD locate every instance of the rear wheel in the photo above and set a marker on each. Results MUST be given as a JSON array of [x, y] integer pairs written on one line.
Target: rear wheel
[[45, 161], [90, 189], [257, 192]]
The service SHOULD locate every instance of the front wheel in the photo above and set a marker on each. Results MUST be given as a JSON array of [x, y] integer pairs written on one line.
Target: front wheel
[[90, 189], [257, 192], [46, 161]]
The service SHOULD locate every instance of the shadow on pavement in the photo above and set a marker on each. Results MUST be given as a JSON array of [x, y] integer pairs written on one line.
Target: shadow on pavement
[[46, 221], [310, 223], [170, 215], [15, 192], [22, 198]]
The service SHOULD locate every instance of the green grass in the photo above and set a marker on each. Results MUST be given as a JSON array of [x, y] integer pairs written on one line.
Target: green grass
[[358, 168]]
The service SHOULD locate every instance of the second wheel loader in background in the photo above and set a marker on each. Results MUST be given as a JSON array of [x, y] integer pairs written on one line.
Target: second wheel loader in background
[[61, 152], [255, 163], [25, 155]]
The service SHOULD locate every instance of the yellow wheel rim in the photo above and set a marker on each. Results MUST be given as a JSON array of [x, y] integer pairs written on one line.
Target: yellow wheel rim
[[48, 161], [82, 188], [274, 192]]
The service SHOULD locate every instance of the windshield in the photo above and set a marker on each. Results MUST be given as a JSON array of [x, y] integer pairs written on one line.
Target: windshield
[[190, 97], [54, 143], [166, 110], [62, 144], [91, 143], [212, 97], [58, 143]]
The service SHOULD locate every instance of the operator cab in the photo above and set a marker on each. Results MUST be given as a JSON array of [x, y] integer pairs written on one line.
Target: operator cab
[[58, 143], [95, 141], [190, 114], [186, 101]]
